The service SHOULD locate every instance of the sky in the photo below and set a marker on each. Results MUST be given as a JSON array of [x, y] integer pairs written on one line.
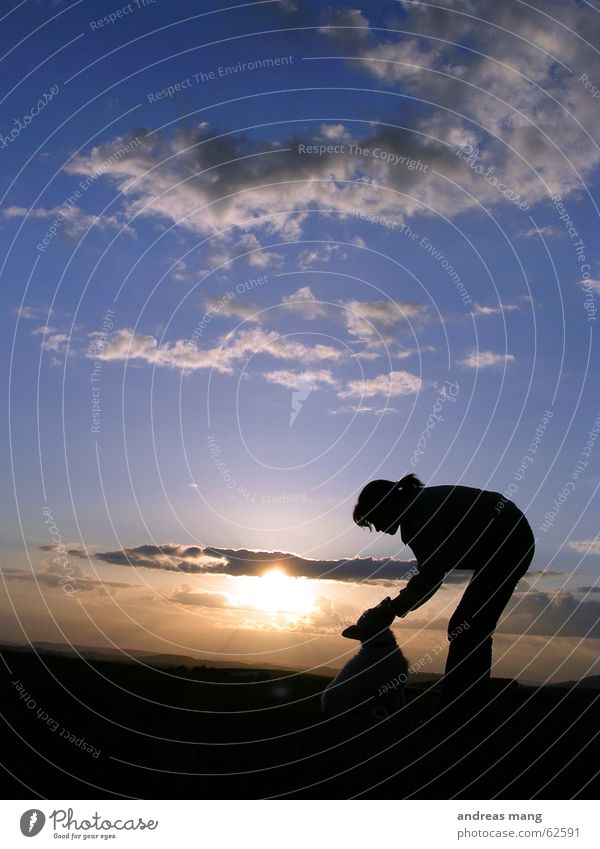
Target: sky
[[255, 256]]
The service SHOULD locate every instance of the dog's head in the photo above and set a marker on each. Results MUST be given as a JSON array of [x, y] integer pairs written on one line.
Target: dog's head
[[383, 639]]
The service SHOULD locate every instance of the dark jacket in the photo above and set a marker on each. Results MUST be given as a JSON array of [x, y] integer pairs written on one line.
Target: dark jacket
[[448, 527]]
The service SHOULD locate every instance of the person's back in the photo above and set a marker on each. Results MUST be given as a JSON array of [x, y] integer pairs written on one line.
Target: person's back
[[453, 522]]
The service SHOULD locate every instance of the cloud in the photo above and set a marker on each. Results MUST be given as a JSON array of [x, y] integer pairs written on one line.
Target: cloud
[[503, 93], [200, 599], [29, 313], [303, 301], [586, 546], [73, 221], [485, 359], [69, 549], [57, 342], [358, 409], [479, 309], [292, 379], [213, 186], [169, 557], [396, 383], [180, 271], [548, 231], [66, 580], [349, 27], [320, 255], [172, 557], [334, 133], [182, 354], [234, 308], [377, 323], [502, 70], [254, 254], [591, 283], [554, 613]]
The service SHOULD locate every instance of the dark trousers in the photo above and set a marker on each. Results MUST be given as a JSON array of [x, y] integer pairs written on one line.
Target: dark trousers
[[503, 558]]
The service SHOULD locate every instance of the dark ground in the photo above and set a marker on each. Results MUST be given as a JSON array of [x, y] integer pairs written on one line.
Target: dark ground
[[198, 732]]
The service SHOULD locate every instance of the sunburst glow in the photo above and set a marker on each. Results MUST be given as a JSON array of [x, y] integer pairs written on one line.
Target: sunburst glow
[[275, 592]]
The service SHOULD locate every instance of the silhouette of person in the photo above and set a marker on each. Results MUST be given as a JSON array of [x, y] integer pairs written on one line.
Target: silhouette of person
[[452, 527]]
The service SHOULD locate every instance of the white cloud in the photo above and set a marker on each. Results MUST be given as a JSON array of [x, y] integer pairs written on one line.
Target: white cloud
[[348, 26], [256, 256], [356, 409], [210, 186], [125, 345], [291, 379], [480, 309], [485, 359], [319, 255], [234, 308], [303, 301], [29, 313], [378, 323], [366, 354], [180, 271], [334, 133], [547, 231], [515, 83], [73, 221], [395, 383], [586, 546], [56, 342], [593, 284]]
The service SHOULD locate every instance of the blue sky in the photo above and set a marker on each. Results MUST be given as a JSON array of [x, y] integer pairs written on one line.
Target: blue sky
[[256, 257]]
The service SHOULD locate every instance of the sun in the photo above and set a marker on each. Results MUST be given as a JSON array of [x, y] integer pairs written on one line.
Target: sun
[[275, 592]]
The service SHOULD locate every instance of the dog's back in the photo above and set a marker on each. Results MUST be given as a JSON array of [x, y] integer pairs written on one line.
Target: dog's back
[[374, 676]]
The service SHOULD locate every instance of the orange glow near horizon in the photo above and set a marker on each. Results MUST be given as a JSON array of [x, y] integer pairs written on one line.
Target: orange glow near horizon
[[275, 592]]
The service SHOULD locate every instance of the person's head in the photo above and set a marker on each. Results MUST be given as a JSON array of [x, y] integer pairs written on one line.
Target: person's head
[[381, 502]]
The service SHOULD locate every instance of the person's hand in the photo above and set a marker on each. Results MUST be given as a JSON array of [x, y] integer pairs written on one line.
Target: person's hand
[[372, 621]]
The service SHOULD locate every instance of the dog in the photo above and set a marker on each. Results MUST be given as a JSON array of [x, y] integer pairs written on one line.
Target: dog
[[369, 687]]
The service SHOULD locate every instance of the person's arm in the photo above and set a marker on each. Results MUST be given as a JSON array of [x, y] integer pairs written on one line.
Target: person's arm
[[419, 589], [428, 548]]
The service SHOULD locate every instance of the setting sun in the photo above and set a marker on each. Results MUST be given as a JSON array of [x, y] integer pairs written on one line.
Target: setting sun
[[275, 592]]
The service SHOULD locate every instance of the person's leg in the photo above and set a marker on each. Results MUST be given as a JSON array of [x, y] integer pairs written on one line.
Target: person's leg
[[470, 629]]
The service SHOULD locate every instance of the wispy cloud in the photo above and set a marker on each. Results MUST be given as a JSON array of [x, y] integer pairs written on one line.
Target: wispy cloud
[[30, 313], [480, 309], [181, 354], [377, 323], [74, 222], [395, 383], [548, 231], [290, 379], [592, 283], [303, 302], [586, 546], [485, 359]]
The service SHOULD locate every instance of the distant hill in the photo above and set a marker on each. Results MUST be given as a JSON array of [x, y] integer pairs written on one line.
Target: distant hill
[[590, 682], [150, 658]]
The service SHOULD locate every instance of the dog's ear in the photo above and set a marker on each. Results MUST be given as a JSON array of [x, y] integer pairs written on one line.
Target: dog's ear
[[353, 632]]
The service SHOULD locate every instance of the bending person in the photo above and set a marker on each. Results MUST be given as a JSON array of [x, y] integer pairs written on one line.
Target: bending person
[[452, 527]]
